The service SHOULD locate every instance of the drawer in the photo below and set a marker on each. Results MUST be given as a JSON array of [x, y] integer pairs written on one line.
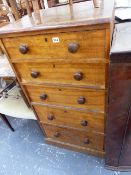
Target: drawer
[[71, 118], [90, 74], [75, 137], [66, 96], [84, 44]]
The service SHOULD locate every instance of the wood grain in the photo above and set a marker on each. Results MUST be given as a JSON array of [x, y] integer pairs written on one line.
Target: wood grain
[[66, 96], [94, 75], [88, 31], [84, 14], [91, 45], [71, 118], [75, 137], [77, 148], [118, 113]]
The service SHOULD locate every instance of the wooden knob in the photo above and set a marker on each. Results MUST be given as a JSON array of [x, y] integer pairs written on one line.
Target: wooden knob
[[83, 123], [34, 74], [73, 47], [81, 100], [57, 134], [50, 117], [86, 141], [78, 76], [43, 96], [23, 48]]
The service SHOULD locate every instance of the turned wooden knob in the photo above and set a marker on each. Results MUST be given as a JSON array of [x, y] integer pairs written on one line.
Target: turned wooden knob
[[34, 74], [78, 76], [73, 47], [57, 134], [83, 123], [50, 117], [23, 48], [86, 141], [81, 100], [43, 96]]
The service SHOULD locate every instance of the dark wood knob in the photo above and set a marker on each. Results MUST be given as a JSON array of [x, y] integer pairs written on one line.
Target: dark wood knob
[[86, 141], [78, 76], [43, 96], [34, 74], [50, 117], [81, 100], [73, 47], [23, 48], [57, 134], [83, 122]]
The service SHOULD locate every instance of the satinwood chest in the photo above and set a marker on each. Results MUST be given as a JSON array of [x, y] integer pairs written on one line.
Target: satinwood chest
[[62, 67]]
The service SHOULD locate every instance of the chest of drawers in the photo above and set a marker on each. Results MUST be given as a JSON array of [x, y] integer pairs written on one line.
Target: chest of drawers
[[62, 66]]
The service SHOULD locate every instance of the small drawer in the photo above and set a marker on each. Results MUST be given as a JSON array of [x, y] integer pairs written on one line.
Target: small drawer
[[75, 97], [93, 75], [75, 137], [71, 118], [72, 45]]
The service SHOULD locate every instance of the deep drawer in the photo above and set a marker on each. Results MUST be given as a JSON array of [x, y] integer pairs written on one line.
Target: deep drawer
[[66, 96], [71, 118], [75, 137], [93, 75], [72, 45]]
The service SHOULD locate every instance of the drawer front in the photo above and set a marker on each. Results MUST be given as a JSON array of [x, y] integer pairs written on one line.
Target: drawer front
[[71, 118], [66, 96], [75, 137], [70, 74], [85, 44]]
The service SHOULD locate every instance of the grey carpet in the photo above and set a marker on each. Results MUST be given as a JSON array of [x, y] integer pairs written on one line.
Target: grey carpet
[[24, 152]]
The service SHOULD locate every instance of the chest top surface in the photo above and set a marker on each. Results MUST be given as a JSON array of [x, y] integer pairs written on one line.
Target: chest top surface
[[80, 14]]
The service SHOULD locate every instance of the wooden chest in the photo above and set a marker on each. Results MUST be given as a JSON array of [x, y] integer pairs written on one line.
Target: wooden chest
[[62, 66], [118, 123]]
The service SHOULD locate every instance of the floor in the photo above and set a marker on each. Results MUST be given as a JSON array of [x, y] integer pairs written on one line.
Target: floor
[[25, 153]]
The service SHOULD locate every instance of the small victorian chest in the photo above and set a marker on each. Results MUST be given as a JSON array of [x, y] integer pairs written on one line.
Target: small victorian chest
[[62, 66]]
